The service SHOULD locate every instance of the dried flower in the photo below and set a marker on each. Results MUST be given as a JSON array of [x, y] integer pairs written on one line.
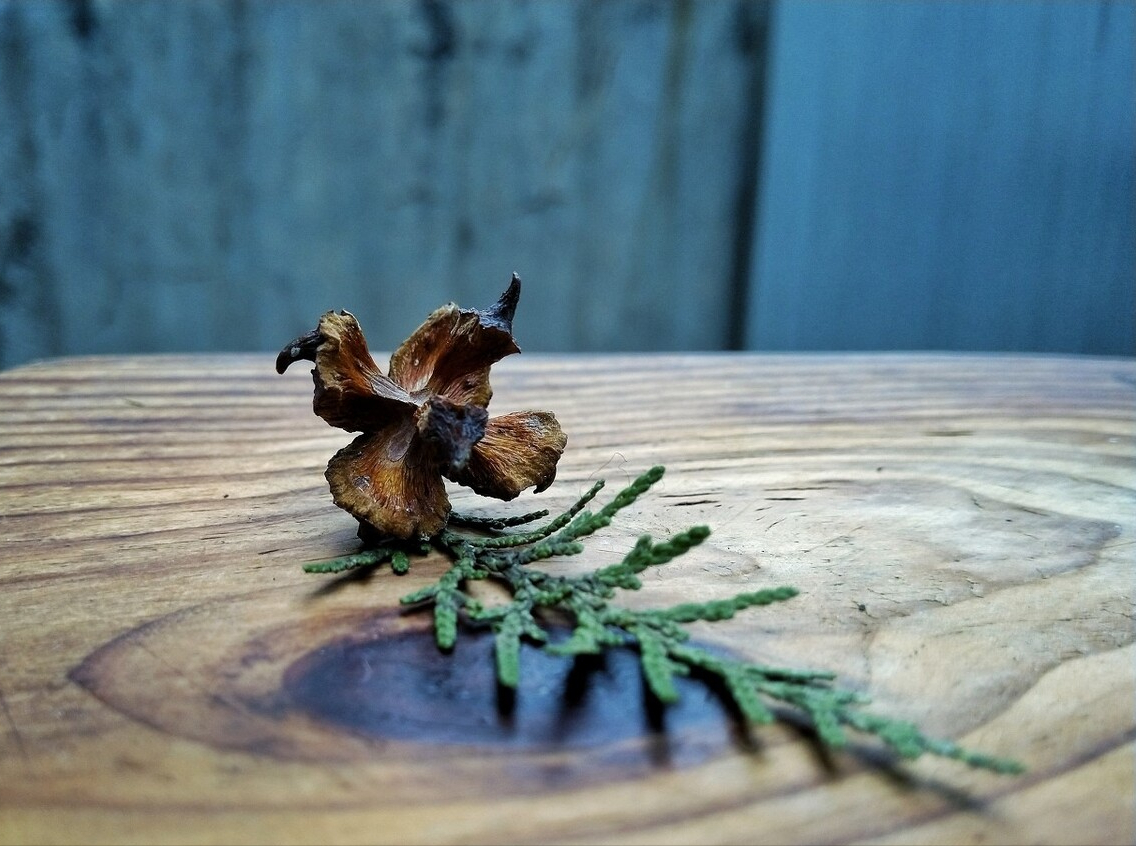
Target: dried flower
[[425, 419]]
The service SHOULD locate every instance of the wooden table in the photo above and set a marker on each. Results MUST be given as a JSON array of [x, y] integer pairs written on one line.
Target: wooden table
[[960, 527]]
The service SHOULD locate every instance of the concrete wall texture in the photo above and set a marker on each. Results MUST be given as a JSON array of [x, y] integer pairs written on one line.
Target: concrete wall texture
[[208, 175]]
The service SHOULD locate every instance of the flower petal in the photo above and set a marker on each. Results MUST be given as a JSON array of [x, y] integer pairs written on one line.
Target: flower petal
[[450, 354], [518, 451], [351, 392], [387, 480]]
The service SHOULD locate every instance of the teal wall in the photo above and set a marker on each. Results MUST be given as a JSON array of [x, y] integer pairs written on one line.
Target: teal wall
[[209, 175], [948, 175]]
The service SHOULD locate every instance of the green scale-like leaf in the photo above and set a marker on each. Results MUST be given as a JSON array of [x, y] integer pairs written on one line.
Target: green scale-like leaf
[[539, 600]]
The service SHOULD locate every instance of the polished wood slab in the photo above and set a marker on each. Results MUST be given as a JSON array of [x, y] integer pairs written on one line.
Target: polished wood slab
[[960, 527]]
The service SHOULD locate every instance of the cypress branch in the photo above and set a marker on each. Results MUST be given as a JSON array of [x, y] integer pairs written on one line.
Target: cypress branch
[[507, 650], [540, 598], [658, 668], [724, 609], [367, 558], [400, 562], [491, 524]]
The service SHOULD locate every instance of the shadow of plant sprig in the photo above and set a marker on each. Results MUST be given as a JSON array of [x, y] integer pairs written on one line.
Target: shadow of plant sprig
[[658, 635]]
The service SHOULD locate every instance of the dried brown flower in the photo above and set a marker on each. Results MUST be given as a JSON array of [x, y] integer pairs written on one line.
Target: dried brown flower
[[425, 419]]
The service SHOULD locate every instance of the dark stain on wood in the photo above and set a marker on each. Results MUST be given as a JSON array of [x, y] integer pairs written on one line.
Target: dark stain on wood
[[402, 687], [356, 688]]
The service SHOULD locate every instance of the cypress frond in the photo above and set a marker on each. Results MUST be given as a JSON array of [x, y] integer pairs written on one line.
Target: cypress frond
[[541, 598]]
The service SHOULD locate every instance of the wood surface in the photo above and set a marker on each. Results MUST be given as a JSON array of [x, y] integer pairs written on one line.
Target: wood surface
[[960, 527]]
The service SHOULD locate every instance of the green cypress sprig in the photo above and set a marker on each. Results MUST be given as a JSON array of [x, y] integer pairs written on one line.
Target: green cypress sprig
[[539, 599], [724, 609], [396, 552], [492, 524]]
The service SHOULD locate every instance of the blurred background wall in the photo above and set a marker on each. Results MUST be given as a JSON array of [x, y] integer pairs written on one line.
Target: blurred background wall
[[207, 175]]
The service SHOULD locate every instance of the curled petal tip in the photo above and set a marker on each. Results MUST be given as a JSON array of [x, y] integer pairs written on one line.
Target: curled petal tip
[[303, 347]]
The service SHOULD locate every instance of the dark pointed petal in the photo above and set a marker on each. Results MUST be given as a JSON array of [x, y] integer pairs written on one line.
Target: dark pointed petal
[[501, 312]]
